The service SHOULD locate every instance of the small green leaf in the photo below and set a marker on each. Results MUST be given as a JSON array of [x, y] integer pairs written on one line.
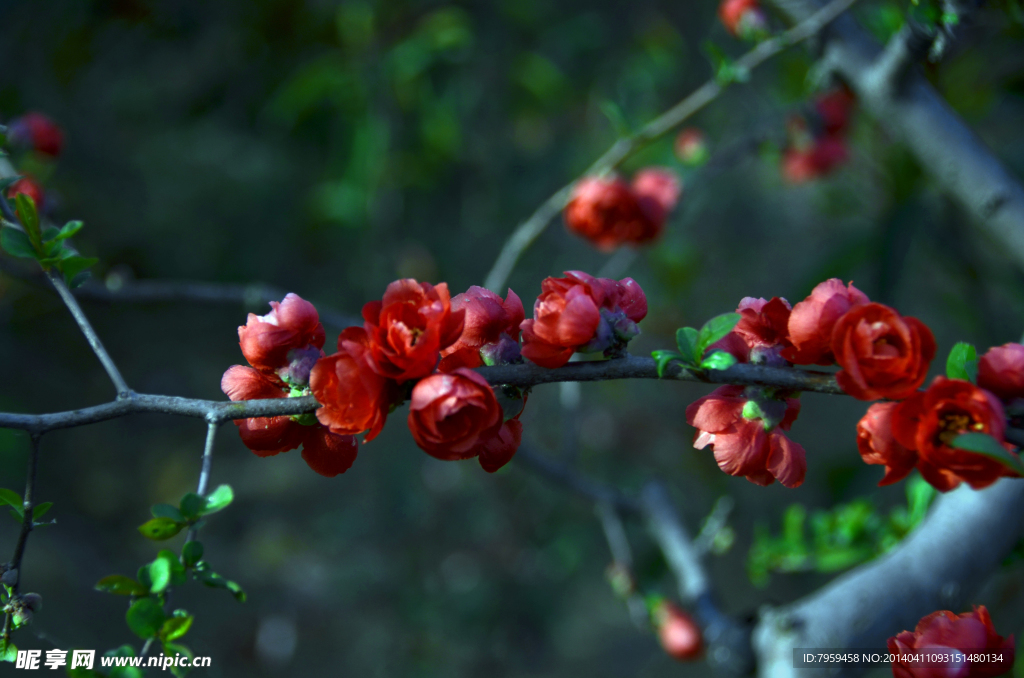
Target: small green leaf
[[172, 649], [191, 553], [16, 243], [175, 628], [25, 207], [192, 506], [718, 360], [159, 529], [987, 446], [663, 358], [69, 230], [11, 497], [39, 510], [159, 575], [686, 342], [715, 329], [75, 265], [167, 511], [120, 585], [962, 362], [177, 569], [8, 651], [218, 499], [210, 578], [145, 618]]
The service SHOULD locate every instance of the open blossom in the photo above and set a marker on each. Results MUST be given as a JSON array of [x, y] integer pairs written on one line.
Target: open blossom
[[742, 18], [744, 430], [883, 354], [38, 132], [581, 313], [326, 453], [678, 633], [1001, 371], [610, 212], [952, 635], [877, 445], [452, 415], [490, 333], [353, 396], [410, 327], [928, 422], [761, 335], [813, 319], [271, 342]]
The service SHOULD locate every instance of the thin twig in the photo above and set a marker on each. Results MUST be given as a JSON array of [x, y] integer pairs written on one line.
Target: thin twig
[[204, 472], [530, 229], [90, 334], [622, 557], [27, 523]]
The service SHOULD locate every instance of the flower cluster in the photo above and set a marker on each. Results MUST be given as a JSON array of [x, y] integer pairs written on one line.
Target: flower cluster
[[818, 147], [881, 355], [36, 133], [419, 344], [955, 636], [610, 212]]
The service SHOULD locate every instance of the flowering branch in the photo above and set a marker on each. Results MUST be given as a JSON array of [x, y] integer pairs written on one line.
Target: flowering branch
[[938, 566], [622, 149]]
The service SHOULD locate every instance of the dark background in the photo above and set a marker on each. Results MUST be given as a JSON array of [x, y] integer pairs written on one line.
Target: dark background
[[330, 148]]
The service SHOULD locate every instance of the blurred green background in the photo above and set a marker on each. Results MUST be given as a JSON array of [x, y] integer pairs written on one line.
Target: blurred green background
[[328, 148]]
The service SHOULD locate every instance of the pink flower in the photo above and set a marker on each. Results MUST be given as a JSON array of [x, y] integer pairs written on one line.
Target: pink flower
[[813, 319], [271, 342]]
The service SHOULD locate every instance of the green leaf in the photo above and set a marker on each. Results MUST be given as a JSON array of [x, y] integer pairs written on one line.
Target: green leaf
[[167, 511], [74, 265], [210, 578], [11, 497], [25, 206], [68, 231], [686, 342], [191, 553], [663, 358], [159, 575], [120, 585], [123, 671], [39, 510], [145, 618], [177, 569], [192, 506], [159, 529], [718, 360], [715, 329], [962, 362], [8, 651], [175, 627], [172, 649], [218, 499], [987, 446], [16, 243]]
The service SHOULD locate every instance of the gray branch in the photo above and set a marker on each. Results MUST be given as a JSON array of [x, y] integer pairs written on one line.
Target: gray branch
[[938, 567]]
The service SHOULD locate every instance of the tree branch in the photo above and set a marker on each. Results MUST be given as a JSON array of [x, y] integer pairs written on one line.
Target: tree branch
[[918, 117], [530, 230], [939, 566], [27, 524], [204, 471]]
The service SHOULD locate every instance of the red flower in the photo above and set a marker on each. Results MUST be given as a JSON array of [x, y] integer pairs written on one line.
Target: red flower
[[742, 18], [353, 396], [883, 355], [609, 212], [928, 422], [813, 319], [489, 321], [822, 157], [410, 327], [877, 445], [499, 449], [691, 146], [452, 415], [946, 633], [678, 633], [1001, 371], [326, 453], [764, 324], [29, 187], [744, 435], [39, 132], [581, 313], [834, 110], [268, 341]]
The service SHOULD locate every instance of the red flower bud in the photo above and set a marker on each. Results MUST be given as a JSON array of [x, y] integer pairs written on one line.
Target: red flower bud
[[753, 446], [499, 449], [657, 190], [581, 313], [928, 422], [691, 146], [834, 109], [452, 415], [813, 319], [945, 633], [293, 324], [353, 396], [678, 633], [29, 187], [1001, 371], [742, 18], [487, 320], [37, 131], [876, 444], [410, 327], [883, 355]]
